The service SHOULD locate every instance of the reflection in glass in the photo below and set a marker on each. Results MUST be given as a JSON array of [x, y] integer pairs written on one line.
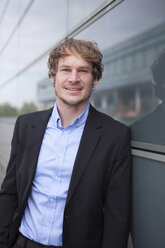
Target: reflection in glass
[[78, 10], [129, 42], [38, 31], [151, 128]]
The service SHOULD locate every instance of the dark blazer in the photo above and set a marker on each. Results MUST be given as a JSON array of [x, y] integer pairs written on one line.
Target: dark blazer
[[98, 203]]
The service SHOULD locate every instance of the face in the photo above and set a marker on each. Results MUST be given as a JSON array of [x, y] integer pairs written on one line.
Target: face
[[73, 81]]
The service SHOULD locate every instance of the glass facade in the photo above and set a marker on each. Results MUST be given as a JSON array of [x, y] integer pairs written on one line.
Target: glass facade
[[131, 36]]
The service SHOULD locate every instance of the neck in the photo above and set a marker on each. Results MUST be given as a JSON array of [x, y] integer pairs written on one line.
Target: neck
[[69, 113]]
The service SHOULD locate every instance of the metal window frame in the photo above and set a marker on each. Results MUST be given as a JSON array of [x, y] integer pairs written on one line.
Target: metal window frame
[[148, 150], [93, 17]]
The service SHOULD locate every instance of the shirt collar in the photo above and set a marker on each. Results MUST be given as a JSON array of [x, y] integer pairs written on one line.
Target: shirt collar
[[80, 120]]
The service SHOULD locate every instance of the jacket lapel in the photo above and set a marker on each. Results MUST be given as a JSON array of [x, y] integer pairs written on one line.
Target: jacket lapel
[[89, 140], [35, 135]]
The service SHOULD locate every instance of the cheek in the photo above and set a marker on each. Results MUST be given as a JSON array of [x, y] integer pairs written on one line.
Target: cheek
[[89, 89]]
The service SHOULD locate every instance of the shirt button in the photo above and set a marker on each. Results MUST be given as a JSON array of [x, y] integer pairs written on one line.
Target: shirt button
[[56, 178], [60, 154], [47, 223], [65, 132], [51, 199]]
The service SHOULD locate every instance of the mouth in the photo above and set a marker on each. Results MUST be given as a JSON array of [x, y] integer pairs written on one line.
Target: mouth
[[73, 89]]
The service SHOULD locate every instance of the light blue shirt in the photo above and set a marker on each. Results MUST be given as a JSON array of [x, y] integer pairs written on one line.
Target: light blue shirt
[[43, 217]]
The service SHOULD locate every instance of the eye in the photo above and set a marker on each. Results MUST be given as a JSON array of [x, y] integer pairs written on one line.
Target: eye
[[65, 69], [84, 70]]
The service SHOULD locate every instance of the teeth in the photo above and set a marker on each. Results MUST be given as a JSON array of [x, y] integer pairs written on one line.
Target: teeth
[[74, 89]]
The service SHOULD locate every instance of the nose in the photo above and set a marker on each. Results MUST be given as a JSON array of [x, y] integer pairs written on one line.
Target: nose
[[74, 77]]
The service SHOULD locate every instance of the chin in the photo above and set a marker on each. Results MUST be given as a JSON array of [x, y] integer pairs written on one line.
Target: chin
[[76, 102]]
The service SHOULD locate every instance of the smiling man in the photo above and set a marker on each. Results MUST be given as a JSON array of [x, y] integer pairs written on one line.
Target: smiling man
[[68, 179], [73, 82]]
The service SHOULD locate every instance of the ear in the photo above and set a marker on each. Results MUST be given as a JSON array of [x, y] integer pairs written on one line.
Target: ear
[[52, 80], [95, 82]]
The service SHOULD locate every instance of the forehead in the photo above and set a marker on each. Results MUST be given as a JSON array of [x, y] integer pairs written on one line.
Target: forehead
[[73, 60]]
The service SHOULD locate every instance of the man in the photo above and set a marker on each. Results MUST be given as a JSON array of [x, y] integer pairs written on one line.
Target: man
[[68, 178], [142, 130]]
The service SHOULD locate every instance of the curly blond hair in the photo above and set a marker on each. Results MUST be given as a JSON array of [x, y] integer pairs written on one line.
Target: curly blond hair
[[85, 49]]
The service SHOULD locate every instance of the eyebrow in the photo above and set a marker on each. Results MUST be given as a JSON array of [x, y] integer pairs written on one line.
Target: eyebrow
[[79, 67], [85, 67], [63, 65]]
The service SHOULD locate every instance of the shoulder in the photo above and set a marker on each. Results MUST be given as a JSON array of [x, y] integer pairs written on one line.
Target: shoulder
[[36, 114], [110, 125], [114, 135], [33, 117], [108, 120]]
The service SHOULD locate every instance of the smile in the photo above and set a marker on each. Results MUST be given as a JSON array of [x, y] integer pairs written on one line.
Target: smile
[[73, 89]]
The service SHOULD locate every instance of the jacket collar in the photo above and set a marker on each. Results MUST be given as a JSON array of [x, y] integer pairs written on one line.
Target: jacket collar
[[89, 140]]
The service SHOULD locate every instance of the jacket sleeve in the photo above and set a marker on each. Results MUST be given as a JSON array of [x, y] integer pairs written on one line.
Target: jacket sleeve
[[118, 199], [8, 192]]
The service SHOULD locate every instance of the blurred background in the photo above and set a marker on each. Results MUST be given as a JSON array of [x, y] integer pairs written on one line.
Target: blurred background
[[130, 34]]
